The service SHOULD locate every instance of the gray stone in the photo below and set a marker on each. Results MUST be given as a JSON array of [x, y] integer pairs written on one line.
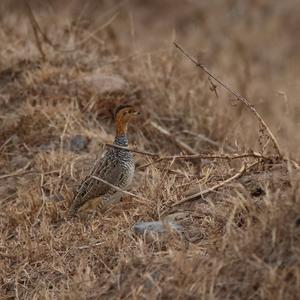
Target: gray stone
[[78, 143], [156, 227]]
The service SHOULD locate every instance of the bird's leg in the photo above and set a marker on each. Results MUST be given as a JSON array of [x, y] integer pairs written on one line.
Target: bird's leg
[[90, 205]]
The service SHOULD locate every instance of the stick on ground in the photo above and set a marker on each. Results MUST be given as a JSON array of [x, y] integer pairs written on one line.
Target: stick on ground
[[124, 192], [213, 188]]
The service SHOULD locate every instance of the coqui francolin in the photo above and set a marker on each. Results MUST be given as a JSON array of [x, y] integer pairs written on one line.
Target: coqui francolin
[[115, 167]]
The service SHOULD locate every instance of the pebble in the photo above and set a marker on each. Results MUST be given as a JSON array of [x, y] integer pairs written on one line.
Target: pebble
[[78, 143], [156, 227]]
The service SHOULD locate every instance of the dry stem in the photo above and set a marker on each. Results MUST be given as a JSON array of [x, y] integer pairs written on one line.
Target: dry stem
[[215, 187], [195, 156], [36, 29], [236, 94], [123, 191], [180, 143]]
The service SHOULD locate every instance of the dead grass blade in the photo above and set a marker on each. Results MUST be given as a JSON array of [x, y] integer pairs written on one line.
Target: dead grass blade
[[19, 172], [36, 29]]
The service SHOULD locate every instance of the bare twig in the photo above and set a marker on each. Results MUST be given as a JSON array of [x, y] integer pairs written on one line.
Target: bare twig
[[180, 143], [215, 187], [150, 163], [123, 191], [222, 156], [6, 142], [194, 156], [36, 25], [19, 172], [232, 156], [236, 94], [35, 28]]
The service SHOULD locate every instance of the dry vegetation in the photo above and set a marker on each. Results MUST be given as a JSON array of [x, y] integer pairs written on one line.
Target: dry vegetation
[[241, 241]]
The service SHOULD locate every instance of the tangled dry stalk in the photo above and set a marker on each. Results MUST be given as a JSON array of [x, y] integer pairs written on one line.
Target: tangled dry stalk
[[236, 94], [63, 69]]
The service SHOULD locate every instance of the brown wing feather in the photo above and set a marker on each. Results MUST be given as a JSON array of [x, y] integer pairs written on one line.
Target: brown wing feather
[[90, 188]]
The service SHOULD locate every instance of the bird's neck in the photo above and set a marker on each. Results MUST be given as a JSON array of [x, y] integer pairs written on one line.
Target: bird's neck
[[121, 140], [121, 127], [121, 133]]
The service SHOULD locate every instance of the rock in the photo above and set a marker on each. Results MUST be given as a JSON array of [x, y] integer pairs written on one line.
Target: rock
[[158, 227], [103, 83], [78, 143]]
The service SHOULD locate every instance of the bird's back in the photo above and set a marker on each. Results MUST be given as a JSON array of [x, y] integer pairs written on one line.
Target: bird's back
[[116, 167]]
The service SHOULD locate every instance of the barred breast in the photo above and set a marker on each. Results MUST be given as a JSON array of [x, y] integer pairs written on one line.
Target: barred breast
[[126, 166]]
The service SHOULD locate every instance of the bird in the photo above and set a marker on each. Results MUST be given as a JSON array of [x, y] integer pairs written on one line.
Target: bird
[[114, 169]]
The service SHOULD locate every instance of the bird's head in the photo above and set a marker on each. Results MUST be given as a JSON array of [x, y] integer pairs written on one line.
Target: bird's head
[[123, 114]]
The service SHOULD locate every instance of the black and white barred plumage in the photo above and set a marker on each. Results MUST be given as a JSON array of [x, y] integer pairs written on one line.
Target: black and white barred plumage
[[116, 167]]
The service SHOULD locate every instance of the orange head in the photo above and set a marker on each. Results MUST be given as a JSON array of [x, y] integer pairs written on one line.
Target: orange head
[[123, 114]]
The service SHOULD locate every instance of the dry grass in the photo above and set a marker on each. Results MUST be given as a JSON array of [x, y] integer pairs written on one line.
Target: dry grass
[[241, 241]]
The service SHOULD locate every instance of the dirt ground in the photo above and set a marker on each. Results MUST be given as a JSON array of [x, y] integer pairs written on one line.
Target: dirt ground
[[63, 71]]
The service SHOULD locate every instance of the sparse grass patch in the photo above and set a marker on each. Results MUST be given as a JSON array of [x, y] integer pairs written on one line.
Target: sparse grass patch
[[241, 241]]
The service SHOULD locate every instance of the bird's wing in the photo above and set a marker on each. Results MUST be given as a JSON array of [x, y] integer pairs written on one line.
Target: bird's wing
[[105, 168]]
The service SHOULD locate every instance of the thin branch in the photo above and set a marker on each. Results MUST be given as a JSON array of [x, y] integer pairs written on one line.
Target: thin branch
[[150, 163], [123, 191], [35, 28], [19, 172], [236, 94], [36, 24], [215, 187], [6, 142], [194, 156], [180, 143], [160, 158], [222, 156]]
